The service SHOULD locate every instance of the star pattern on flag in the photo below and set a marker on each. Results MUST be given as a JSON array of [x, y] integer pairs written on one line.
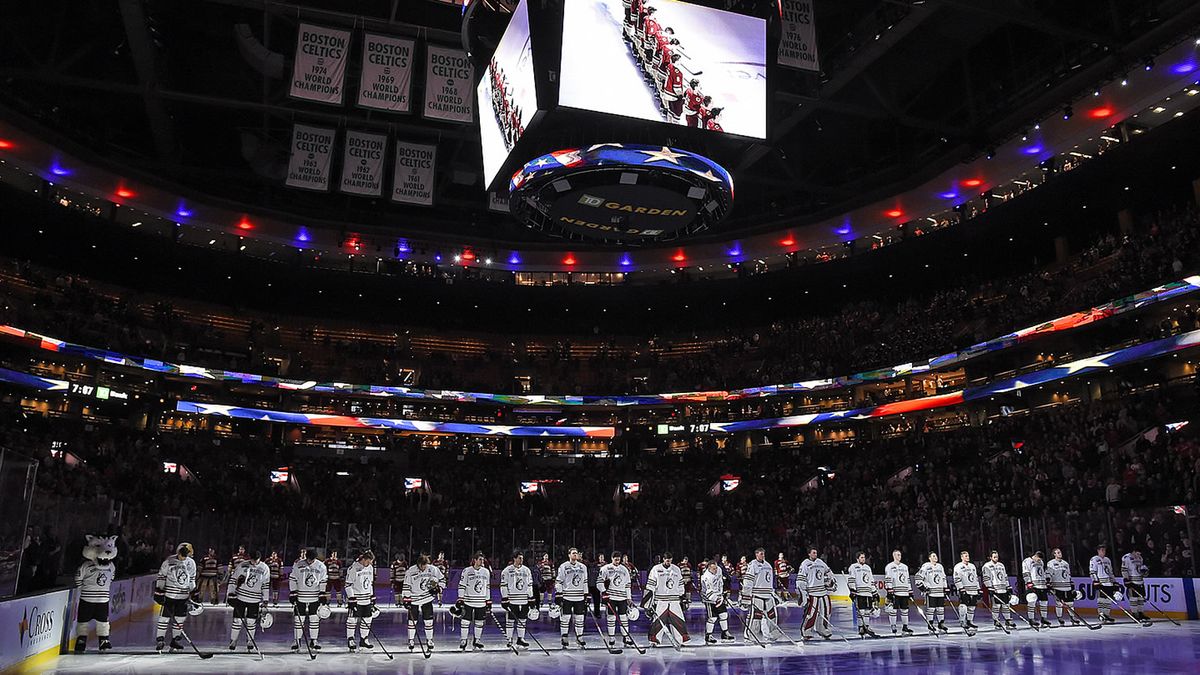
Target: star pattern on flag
[[605, 145], [664, 155], [1090, 362], [1017, 384]]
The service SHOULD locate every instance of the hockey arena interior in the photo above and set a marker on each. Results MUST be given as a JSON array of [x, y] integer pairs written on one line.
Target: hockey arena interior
[[588, 336]]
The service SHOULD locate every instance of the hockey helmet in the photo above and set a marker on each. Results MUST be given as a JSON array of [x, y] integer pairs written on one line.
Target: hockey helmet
[[1078, 594], [533, 614], [195, 608], [266, 620], [1013, 600], [1118, 596], [375, 612], [555, 612], [323, 611], [1031, 597], [635, 613]]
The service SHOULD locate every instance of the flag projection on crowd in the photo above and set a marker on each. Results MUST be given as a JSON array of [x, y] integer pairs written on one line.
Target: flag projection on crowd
[[387, 65], [349, 422], [798, 41], [1071, 321], [319, 69], [280, 475], [414, 483], [362, 164], [632, 489], [312, 155]]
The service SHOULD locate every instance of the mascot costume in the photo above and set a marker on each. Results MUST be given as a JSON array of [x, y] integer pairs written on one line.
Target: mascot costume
[[94, 581]]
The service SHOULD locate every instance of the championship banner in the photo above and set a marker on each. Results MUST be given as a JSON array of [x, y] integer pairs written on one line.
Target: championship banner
[[448, 85], [798, 42], [386, 82], [497, 203], [312, 154], [412, 177], [319, 69], [362, 164]]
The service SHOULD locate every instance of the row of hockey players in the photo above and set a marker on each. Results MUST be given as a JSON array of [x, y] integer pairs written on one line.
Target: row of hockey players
[[658, 54], [505, 109]]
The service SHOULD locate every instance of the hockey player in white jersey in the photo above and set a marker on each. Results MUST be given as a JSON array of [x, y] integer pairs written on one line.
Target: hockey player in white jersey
[[931, 579], [1037, 595], [758, 597], [360, 601], [421, 582], [995, 579], [175, 590], [248, 593], [1058, 572], [474, 600], [863, 591], [815, 579], [716, 603], [94, 581], [966, 584], [613, 582], [1100, 567], [1133, 570], [570, 594], [516, 594], [665, 597], [899, 592], [306, 591]]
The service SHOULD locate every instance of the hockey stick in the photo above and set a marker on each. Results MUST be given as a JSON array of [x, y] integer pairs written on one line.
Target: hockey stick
[[371, 633], [312, 656], [1118, 605], [603, 638], [252, 642], [862, 620], [1157, 609], [932, 628], [969, 632], [503, 632], [624, 630], [202, 655], [746, 628], [667, 628], [988, 606], [776, 625], [1082, 620]]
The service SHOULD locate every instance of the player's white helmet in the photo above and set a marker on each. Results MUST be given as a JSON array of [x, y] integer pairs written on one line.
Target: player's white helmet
[[635, 613], [266, 620], [1013, 600], [323, 611], [1030, 597], [1118, 596], [555, 612], [195, 608], [533, 614]]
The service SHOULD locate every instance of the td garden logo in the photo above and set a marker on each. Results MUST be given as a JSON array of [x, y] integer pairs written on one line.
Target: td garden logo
[[589, 200], [599, 202]]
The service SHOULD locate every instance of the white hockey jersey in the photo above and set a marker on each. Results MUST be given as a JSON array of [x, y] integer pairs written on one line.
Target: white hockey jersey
[[308, 580], [1101, 570], [474, 586], [712, 586], [814, 577], [932, 578], [759, 579], [1034, 571], [896, 579], [1058, 572], [360, 584], [614, 580], [516, 585], [176, 578], [1133, 569], [861, 580], [966, 578], [995, 577], [571, 582], [256, 582], [666, 583], [94, 581], [420, 585]]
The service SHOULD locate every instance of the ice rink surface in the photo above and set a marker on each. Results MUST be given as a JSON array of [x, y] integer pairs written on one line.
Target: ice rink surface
[[1124, 648]]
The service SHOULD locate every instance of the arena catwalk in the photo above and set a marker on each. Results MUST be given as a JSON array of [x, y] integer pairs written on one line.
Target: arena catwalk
[[1125, 647]]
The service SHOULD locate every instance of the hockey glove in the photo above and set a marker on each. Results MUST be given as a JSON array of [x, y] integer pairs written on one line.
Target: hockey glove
[[891, 598], [323, 598], [1029, 585], [160, 598]]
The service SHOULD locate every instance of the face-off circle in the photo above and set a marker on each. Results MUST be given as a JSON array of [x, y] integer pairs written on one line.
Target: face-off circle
[[621, 193]]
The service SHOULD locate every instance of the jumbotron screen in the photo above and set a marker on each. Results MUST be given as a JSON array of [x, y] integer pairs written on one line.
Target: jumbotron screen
[[507, 95], [669, 62]]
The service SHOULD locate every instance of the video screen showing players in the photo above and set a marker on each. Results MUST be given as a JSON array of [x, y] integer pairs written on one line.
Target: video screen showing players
[[666, 61], [507, 88]]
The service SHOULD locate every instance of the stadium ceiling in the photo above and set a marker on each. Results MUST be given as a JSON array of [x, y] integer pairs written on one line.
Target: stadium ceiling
[[194, 94]]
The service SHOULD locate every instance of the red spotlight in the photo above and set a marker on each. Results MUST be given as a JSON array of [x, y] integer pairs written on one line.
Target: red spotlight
[[679, 257], [468, 256], [245, 224], [124, 193], [5, 144], [569, 260], [790, 241], [972, 182], [1100, 113], [894, 213]]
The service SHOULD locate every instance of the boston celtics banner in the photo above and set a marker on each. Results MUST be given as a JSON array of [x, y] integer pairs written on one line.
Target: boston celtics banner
[[319, 69], [312, 153], [362, 164], [449, 92], [798, 41], [387, 65], [412, 177]]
